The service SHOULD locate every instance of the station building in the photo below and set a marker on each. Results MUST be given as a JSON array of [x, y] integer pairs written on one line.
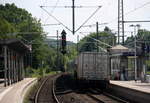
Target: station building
[[123, 63]]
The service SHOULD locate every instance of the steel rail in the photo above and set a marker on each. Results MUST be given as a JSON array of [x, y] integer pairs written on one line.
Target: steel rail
[[37, 94], [107, 95], [115, 98], [95, 99], [54, 95]]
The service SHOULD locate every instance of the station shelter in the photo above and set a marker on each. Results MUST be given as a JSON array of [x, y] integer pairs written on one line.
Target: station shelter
[[12, 52], [123, 63]]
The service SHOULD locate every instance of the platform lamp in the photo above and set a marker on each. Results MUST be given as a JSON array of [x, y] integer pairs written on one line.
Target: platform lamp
[[135, 52]]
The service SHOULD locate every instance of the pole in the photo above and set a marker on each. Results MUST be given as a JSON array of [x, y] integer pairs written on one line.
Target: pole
[[57, 48], [97, 34], [73, 17], [31, 58], [5, 65], [118, 21], [135, 54], [77, 44], [122, 22]]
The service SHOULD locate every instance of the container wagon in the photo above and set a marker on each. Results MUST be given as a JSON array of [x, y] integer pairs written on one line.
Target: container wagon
[[93, 69]]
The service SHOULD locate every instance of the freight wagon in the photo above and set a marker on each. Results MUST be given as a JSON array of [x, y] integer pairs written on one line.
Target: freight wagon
[[93, 68]]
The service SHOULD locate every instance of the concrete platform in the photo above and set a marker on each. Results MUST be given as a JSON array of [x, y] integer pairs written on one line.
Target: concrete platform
[[16, 92], [143, 87], [134, 92]]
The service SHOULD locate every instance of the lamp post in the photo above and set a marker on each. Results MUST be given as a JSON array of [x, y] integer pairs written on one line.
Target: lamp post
[[135, 52]]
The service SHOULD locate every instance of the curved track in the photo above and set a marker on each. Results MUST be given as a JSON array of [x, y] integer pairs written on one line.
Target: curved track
[[52, 91], [45, 93]]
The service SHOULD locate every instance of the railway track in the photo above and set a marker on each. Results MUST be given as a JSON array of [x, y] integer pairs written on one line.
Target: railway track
[[52, 91], [70, 95], [103, 97], [46, 92], [54, 94]]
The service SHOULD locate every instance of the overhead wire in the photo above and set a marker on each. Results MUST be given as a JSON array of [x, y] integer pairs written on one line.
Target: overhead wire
[[93, 25], [127, 13], [55, 19], [42, 7], [71, 6], [54, 7], [98, 41], [89, 18]]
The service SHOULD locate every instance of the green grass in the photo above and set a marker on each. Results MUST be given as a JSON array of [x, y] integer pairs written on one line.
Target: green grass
[[31, 90], [39, 75]]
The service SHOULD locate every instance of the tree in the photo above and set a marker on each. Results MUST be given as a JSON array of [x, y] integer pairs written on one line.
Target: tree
[[20, 22], [6, 28], [26, 27], [142, 35], [89, 42]]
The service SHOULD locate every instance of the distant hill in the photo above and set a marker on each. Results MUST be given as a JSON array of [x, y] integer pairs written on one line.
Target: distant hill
[[53, 42]]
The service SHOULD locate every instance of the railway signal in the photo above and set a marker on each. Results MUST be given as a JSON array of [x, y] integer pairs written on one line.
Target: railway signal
[[63, 42]]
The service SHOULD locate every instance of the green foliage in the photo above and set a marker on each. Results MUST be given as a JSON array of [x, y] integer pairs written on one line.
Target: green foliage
[[72, 52], [148, 73], [5, 29], [142, 35], [89, 42], [148, 63], [21, 21], [148, 66], [40, 72], [28, 28], [29, 71]]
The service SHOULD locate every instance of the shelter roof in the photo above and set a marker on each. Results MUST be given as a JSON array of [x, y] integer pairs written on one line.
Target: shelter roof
[[119, 47], [16, 45]]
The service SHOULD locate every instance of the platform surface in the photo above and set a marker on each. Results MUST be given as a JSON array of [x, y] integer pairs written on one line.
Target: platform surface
[[142, 87], [15, 92]]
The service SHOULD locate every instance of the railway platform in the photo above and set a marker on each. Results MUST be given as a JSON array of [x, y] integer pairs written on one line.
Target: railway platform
[[135, 85], [16, 92], [134, 91]]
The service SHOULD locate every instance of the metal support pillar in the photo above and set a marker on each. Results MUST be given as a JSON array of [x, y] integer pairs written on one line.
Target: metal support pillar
[[22, 68], [9, 67], [57, 50], [120, 21], [73, 17], [77, 44], [5, 66], [16, 69], [19, 69], [135, 76], [97, 35], [13, 67]]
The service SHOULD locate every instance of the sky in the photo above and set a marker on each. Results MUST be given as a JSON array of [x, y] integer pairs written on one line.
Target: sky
[[133, 10]]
